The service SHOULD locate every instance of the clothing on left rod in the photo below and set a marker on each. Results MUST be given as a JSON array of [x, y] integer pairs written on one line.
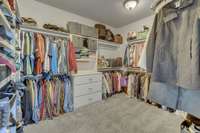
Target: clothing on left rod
[[48, 98], [42, 53]]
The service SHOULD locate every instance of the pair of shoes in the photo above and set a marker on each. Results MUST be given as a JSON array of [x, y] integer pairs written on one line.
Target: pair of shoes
[[54, 27], [29, 21]]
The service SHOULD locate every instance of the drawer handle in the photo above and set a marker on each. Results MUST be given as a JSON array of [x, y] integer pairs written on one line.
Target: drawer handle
[[90, 89], [90, 79]]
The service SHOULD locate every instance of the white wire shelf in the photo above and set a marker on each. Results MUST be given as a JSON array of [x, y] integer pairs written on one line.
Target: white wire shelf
[[6, 44], [104, 43], [110, 69], [44, 31], [87, 37], [136, 41]]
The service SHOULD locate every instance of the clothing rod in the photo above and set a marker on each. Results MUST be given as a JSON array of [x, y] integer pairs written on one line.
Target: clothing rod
[[85, 37], [44, 31]]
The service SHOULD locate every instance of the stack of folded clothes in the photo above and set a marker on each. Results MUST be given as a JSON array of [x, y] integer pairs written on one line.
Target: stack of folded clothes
[[29, 21], [82, 53], [55, 28]]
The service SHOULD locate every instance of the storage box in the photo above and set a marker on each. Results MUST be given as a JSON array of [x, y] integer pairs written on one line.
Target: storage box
[[74, 27], [88, 31]]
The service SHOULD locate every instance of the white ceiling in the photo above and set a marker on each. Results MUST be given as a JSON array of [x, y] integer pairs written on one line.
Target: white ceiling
[[110, 12]]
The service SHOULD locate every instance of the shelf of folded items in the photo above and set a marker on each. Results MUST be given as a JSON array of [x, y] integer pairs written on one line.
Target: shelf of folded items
[[4, 22], [104, 43], [6, 44], [136, 41]]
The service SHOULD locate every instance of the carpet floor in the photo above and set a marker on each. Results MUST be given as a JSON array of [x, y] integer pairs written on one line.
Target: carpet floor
[[118, 114]]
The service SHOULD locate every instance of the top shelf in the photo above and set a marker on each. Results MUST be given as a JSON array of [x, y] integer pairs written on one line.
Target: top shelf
[[44, 31], [108, 44]]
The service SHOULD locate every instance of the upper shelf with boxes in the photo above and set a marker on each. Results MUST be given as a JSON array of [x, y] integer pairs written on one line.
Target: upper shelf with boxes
[[85, 41]]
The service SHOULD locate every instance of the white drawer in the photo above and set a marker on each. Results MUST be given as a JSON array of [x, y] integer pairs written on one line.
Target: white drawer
[[85, 89], [87, 99], [79, 80]]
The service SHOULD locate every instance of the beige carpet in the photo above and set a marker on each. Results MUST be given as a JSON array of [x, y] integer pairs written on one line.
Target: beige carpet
[[118, 114]]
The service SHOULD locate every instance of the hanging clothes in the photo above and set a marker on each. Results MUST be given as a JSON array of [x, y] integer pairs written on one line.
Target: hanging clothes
[[39, 53], [172, 56], [62, 57], [54, 57], [49, 97], [47, 54], [132, 54], [111, 83], [43, 53], [138, 86], [72, 57]]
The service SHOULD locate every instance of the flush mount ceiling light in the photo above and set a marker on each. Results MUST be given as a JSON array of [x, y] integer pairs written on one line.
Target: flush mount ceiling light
[[130, 4]]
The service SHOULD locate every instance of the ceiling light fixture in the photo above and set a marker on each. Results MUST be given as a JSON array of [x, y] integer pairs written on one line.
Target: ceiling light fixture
[[130, 4]]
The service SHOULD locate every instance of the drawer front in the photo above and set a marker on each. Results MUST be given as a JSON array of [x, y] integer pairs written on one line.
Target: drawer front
[[80, 80], [86, 89], [87, 99]]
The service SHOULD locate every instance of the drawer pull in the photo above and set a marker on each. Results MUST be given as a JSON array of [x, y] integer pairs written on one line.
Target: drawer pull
[[90, 89], [90, 79]]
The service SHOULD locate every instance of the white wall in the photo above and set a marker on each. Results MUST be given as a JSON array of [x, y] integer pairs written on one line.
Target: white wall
[[43, 13]]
